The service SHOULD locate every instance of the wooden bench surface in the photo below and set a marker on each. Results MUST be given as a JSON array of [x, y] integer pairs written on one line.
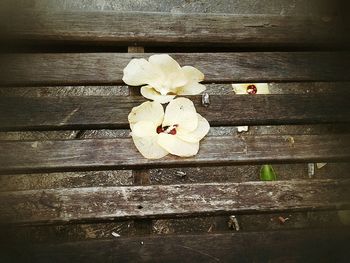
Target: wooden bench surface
[[231, 48]]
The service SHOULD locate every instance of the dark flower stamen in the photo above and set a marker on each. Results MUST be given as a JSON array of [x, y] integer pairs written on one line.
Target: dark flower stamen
[[173, 131], [252, 89], [161, 129]]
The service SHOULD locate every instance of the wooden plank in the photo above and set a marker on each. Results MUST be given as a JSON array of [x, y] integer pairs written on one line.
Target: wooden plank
[[313, 245], [107, 68], [186, 225], [142, 28], [107, 203], [120, 153], [111, 112], [280, 7]]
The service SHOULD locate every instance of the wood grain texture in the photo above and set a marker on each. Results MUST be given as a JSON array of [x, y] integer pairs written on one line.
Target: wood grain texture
[[120, 153], [277, 7], [314, 245], [142, 28], [111, 112], [107, 68], [106, 203]]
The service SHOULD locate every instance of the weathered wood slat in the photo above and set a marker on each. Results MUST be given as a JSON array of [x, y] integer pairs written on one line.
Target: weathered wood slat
[[107, 68], [143, 28], [105, 203], [96, 154], [111, 112], [317, 245]]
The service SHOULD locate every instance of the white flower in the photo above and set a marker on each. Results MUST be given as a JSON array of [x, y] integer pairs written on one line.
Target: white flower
[[163, 78], [251, 88], [177, 131]]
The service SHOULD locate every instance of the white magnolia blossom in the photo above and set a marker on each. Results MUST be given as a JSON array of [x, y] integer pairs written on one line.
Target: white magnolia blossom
[[249, 89], [178, 130], [163, 78]]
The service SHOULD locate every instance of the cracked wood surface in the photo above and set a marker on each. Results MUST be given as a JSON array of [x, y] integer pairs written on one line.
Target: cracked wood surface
[[111, 112], [95, 154], [157, 28], [105, 203], [107, 68]]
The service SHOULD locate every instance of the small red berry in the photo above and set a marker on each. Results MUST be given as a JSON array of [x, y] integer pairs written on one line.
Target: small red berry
[[252, 89]]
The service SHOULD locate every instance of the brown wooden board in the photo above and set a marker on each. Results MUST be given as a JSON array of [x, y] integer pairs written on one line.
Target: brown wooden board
[[111, 112], [142, 28], [106, 203], [107, 68], [314, 245], [213, 224], [120, 153]]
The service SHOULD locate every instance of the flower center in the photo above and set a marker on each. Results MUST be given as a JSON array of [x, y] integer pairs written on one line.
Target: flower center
[[159, 129], [167, 129], [252, 89]]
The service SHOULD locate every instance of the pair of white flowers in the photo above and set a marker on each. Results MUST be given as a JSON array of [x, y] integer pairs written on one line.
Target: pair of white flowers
[[179, 128]]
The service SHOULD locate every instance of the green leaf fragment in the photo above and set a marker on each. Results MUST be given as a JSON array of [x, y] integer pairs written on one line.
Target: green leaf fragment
[[267, 173]]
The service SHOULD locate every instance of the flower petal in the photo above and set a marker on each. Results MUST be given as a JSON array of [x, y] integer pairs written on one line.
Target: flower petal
[[166, 63], [193, 74], [149, 147], [150, 93], [144, 129], [262, 88], [140, 71], [147, 111], [192, 88], [145, 138], [174, 76], [181, 112], [176, 146], [320, 165], [198, 134]]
